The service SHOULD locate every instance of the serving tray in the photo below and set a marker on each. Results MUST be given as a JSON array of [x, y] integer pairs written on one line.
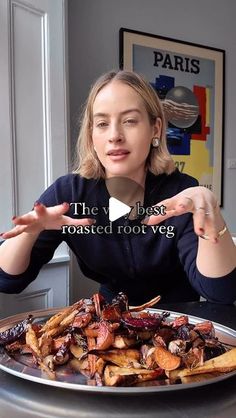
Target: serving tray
[[22, 367]]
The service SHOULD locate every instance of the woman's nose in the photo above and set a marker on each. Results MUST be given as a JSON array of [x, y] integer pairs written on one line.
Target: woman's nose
[[116, 134]]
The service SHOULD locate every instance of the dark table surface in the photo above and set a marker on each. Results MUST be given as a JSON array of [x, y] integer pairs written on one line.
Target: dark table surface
[[21, 398]]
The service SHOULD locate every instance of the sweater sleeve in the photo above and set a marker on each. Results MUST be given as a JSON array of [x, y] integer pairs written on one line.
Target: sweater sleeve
[[42, 253], [216, 290], [45, 245]]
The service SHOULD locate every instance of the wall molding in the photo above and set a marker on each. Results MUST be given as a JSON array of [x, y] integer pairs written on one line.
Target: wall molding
[[46, 106]]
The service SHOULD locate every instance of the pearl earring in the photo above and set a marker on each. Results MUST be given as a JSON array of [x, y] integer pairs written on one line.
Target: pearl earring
[[155, 142]]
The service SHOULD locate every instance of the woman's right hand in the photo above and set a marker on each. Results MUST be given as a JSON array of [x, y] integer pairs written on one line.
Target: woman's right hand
[[42, 218]]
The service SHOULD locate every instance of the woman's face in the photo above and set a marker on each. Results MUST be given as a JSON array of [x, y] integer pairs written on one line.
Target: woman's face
[[122, 132]]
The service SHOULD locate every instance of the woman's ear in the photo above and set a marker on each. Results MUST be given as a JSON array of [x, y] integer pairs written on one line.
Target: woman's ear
[[157, 128]]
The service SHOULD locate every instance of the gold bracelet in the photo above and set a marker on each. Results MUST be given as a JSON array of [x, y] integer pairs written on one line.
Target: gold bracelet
[[220, 233]]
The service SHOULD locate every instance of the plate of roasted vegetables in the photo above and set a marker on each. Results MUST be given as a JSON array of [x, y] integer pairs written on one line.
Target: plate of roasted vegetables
[[115, 348]]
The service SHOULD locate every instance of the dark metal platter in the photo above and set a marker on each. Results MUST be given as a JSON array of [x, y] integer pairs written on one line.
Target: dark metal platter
[[21, 365]]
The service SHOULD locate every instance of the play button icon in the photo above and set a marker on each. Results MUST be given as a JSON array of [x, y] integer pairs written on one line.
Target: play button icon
[[124, 194], [117, 209]]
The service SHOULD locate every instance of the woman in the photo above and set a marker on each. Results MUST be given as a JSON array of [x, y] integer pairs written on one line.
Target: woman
[[123, 135]]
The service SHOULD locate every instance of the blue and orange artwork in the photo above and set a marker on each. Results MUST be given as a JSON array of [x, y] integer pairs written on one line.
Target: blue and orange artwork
[[187, 114], [189, 81]]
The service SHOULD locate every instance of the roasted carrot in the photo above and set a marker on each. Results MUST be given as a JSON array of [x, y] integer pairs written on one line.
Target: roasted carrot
[[165, 359]]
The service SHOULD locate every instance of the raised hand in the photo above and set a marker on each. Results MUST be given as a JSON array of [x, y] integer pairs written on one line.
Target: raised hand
[[201, 202], [42, 218]]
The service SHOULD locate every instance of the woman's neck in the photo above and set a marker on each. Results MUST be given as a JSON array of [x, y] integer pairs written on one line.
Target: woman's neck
[[138, 178]]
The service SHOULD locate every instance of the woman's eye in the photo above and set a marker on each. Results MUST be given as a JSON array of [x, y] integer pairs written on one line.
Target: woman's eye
[[101, 124], [130, 121]]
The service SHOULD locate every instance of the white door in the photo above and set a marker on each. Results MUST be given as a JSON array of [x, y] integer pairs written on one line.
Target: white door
[[34, 134]]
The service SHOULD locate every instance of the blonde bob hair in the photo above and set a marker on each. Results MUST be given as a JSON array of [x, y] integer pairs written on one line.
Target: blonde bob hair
[[86, 162]]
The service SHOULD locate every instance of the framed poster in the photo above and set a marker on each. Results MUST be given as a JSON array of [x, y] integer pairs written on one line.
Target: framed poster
[[189, 79]]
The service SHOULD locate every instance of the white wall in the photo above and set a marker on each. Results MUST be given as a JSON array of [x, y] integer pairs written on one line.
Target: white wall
[[33, 140], [94, 48]]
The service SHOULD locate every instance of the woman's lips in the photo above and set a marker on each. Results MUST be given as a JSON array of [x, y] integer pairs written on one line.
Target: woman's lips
[[117, 155]]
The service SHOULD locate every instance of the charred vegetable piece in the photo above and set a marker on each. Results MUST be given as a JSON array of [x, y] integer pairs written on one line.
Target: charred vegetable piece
[[177, 346], [121, 341], [181, 320], [193, 358], [206, 329], [127, 376], [224, 363], [146, 305], [14, 333], [56, 319], [32, 341], [81, 320], [81, 341], [213, 351], [77, 351], [61, 354], [45, 367], [148, 356], [98, 301], [196, 339], [165, 359], [87, 306], [183, 332], [105, 336], [166, 333], [45, 345], [80, 366], [122, 358], [121, 301], [151, 323], [111, 313]]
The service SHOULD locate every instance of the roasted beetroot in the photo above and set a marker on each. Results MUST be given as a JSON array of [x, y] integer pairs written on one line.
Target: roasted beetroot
[[212, 350], [151, 323], [121, 300], [14, 333], [183, 332]]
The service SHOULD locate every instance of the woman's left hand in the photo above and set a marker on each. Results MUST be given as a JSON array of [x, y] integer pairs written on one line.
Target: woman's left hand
[[201, 202]]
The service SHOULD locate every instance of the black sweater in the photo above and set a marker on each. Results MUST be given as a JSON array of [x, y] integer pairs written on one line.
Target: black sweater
[[143, 263]]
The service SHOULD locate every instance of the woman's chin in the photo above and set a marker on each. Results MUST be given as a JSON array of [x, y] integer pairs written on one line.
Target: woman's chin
[[117, 172]]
